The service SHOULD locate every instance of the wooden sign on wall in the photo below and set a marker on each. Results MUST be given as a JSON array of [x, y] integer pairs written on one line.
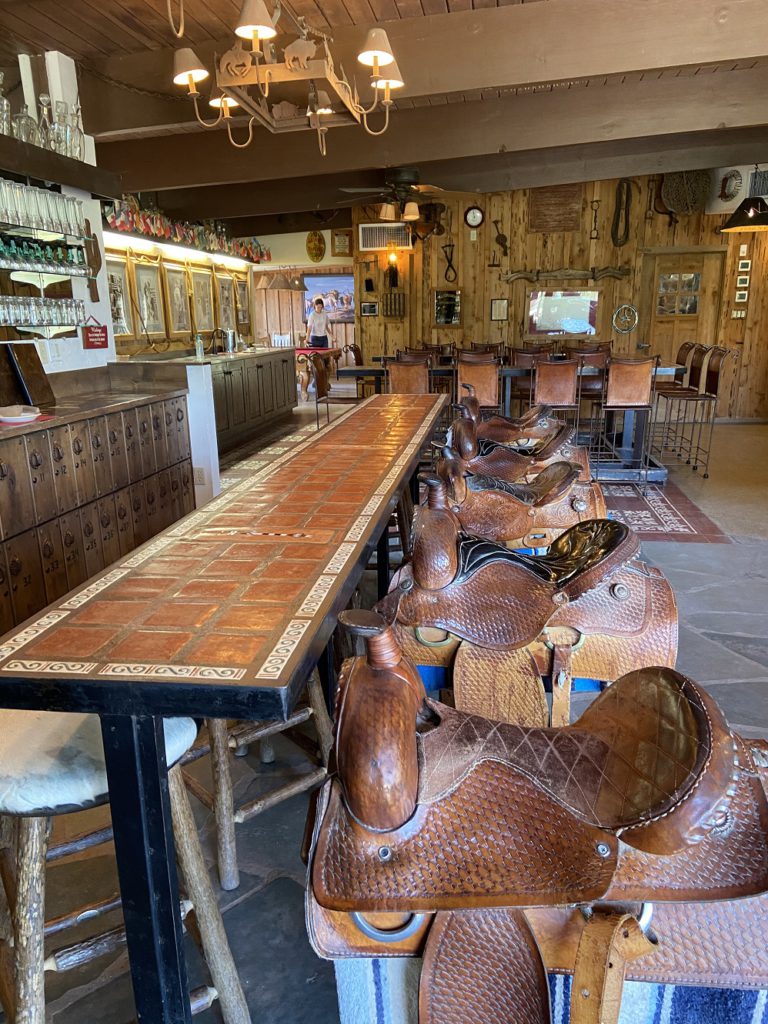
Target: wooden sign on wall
[[555, 209]]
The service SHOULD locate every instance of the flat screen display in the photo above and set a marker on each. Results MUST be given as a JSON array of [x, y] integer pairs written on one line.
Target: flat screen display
[[562, 312], [337, 292]]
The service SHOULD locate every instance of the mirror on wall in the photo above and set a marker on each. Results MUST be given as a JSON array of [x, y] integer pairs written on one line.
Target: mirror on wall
[[562, 311], [448, 308]]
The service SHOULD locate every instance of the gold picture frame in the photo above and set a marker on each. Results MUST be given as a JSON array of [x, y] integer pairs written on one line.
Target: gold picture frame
[[149, 306], [226, 313], [177, 300], [243, 303], [202, 299], [121, 303]]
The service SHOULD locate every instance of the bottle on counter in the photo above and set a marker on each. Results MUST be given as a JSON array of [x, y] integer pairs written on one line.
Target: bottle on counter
[[199, 349]]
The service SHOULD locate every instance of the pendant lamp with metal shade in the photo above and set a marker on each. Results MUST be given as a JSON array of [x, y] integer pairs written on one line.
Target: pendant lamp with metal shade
[[750, 215]]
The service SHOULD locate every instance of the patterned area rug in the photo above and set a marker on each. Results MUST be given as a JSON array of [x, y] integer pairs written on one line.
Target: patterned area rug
[[662, 513]]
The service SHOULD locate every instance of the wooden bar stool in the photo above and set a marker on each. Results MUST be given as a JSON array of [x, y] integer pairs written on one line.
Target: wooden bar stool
[[224, 739], [53, 764]]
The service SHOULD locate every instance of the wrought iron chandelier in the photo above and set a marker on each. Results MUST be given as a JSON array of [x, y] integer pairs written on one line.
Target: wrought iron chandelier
[[244, 78]]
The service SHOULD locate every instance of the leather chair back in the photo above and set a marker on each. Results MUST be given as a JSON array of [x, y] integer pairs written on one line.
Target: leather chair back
[[408, 377], [525, 360], [481, 370], [717, 358], [543, 348], [696, 367], [320, 374], [684, 351], [630, 383], [413, 355], [556, 383], [355, 353]]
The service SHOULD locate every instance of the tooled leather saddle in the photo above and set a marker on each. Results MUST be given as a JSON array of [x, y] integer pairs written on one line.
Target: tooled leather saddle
[[648, 796], [536, 439], [589, 607], [529, 512]]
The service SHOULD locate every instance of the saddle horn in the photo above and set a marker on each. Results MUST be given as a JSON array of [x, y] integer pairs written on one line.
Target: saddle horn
[[435, 558], [376, 757]]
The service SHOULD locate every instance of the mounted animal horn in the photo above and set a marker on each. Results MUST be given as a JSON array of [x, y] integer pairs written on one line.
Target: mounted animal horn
[[376, 757]]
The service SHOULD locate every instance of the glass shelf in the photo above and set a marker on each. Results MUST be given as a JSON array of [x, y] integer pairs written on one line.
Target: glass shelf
[[51, 270], [40, 234]]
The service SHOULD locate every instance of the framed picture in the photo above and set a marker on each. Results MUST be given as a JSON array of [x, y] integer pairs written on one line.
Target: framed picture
[[742, 296], [202, 300], [745, 265], [149, 300], [499, 309], [243, 303], [447, 303], [120, 302], [225, 294], [369, 309], [742, 281], [341, 241], [177, 299]]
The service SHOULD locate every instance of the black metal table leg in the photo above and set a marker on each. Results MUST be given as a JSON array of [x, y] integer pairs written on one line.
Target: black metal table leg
[[377, 384], [414, 485], [134, 750], [382, 562]]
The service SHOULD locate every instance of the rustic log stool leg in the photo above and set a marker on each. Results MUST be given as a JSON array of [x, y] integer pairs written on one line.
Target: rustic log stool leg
[[217, 952], [226, 738], [29, 921]]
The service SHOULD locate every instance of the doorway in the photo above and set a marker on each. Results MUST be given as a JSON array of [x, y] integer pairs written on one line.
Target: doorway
[[682, 292]]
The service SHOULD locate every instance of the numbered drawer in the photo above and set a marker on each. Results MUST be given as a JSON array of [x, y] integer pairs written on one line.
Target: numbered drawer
[[139, 513], [40, 465], [164, 500], [158, 415], [52, 559], [82, 461], [17, 509], [97, 430], [25, 574], [91, 532], [110, 542], [132, 445], [74, 556], [146, 442], [7, 616], [124, 521], [64, 473], [117, 450]]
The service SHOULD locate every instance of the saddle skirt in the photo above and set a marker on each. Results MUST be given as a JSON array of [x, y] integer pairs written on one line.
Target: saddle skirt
[[647, 796]]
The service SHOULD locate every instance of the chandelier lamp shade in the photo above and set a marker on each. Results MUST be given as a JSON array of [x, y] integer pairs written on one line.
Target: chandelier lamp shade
[[749, 215], [411, 211], [244, 77]]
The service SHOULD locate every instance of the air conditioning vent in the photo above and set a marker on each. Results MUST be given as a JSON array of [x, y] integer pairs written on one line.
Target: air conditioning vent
[[372, 237]]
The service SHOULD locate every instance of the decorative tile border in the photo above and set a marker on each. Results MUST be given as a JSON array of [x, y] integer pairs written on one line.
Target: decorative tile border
[[358, 528], [220, 673], [76, 668], [84, 596], [147, 551], [15, 643], [343, 554], [314, 599], [283, 649]]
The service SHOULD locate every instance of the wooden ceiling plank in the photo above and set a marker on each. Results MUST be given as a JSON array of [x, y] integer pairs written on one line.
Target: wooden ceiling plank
[[34, 40], [309, 9], [434, 6], [70, 21], [385, 10], [335, 12], [128, 31], [459, 5], [194, 32], [360, 12], [409, 8]]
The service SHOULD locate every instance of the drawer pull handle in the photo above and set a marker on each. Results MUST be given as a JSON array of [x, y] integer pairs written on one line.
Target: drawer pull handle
[[179, 415], [113, 436], [47, 549], [3, 470], [69, 539], [58, 454], [105, 519], [35, 460], [122, 511], [128, 430], [168, 419], [88, 529], [77, 445], [96, 441], [15, 566]]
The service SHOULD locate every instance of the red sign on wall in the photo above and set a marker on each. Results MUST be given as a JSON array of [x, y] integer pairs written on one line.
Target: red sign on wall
[[95, 336]]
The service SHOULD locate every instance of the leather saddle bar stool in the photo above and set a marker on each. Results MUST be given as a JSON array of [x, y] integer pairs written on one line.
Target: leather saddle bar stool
[[53, 764]]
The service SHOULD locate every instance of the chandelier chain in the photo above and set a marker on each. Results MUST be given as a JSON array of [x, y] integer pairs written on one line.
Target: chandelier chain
[[179, 33]]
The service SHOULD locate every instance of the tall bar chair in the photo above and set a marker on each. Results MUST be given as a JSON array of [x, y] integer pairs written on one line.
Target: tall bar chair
[[481, 370], [592, 377], [541, 348], [704, 409], [671, 410], [498, 348], [325, 391], [353, 355], [628, 391], [521, 385], [556, 384]]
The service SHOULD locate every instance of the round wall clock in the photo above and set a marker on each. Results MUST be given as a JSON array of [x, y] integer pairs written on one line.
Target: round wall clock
[[473, 216], [315, 246]]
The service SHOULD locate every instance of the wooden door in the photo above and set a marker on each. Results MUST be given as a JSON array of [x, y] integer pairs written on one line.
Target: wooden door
[[220, 405], [682, 294]]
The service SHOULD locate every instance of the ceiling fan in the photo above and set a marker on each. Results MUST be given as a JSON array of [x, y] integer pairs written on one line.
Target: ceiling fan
[[401, 187]]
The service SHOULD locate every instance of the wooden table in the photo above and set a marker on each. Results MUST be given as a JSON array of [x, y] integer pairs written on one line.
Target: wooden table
[[222, 616], [378, 373], [330, 357]]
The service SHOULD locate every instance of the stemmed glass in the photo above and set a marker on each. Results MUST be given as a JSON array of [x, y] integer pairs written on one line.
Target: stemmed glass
[[44, 125]]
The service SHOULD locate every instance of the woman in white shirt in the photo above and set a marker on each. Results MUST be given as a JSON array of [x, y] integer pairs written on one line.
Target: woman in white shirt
[[318, 326]]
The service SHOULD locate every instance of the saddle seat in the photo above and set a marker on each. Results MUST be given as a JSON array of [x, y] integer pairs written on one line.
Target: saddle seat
[[647, 796]]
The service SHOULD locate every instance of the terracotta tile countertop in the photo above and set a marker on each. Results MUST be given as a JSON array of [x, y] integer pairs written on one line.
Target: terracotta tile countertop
[[227, 610]]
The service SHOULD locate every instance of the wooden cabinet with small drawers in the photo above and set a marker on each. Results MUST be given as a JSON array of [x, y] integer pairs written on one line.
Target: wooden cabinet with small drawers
[[78, 496]]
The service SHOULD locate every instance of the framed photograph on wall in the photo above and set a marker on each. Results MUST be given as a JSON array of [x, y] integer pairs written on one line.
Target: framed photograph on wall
[[120, 300], [341, 241], [499, 309], [225, 295], [742, 281], [744, 265], [202, 300], [243, 302], [149, 300], [177, 300], [369, 309], [742, 296]]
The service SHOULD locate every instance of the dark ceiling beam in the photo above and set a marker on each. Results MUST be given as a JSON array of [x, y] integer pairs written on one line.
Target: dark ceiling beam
[[281, 223], [654, 108], [497, 47]]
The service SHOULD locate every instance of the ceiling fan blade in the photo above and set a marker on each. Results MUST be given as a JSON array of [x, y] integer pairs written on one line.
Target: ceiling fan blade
[[426, 189], [367, 191]]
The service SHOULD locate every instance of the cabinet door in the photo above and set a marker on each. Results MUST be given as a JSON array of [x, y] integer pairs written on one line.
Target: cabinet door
[[267, 388], [83, 462], [110, 543], [132, 444], [139, 513], [152, 505], [41, 475], [53, 561], [278, 381], [164, 499], [63, 469], [236, 394], [252, 392], [16, 505], [26, 575], [91, 531], [74, 556], [117, 450], [124, 521], [288, 371], [171, 444], [146, 444], [97, 429], [220, 404], [183, 446], [158, 434], [187, 488], [7, 618]]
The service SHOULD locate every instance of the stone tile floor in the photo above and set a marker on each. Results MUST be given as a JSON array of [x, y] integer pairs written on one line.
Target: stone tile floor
[[722, 591]]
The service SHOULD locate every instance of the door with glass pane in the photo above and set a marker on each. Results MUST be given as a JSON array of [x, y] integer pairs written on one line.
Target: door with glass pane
[[681, 300]]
